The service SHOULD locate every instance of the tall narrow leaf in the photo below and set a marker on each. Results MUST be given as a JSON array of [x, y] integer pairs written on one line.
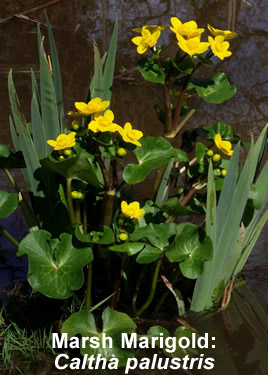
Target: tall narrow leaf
[[109, 65], [48, 98], [39, 135], [56, 74], [24, 139]]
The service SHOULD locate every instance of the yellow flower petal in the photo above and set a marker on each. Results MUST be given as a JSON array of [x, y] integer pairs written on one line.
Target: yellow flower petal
[[219, 46], [63, 141], [223, 146], [186, 30], [132, 210], [225, 33], [130, 135], [95, 105], [147, 40]]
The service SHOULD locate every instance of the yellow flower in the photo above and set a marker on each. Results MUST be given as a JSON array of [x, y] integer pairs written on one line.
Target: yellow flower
[[192, 45], [186, 30], [104, 123], [130, 135], [223, 146], [95, 105], [219, 47], [63, 141], [151, 28], [225, 33], [132, 210], [147, 40]]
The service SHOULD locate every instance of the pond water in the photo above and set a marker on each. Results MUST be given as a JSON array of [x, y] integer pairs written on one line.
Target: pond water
[[77, 23]]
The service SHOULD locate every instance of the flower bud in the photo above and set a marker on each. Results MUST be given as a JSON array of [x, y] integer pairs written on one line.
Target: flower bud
[[223, 172], [75, 125], [61, 157], [210, 153], [216, 158], [75, 194], [123, 236], [121, 152], [67, 151], [80, 195]]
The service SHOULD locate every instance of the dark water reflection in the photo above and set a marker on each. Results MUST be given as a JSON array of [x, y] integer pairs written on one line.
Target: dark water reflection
[[83, 20]]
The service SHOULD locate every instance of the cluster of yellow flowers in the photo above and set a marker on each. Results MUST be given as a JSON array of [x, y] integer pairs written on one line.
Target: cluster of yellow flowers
[[189, 38], [101, 123]]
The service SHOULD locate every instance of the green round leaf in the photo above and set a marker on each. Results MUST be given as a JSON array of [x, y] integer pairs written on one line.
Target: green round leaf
[[153, 152], [114, 323], [151, 71], [78, 167], [131, 248], [216, 92], [226, 131], [55, 265], [105, 238], [191, 247], [149, 254], [8, 203], [157, 234]]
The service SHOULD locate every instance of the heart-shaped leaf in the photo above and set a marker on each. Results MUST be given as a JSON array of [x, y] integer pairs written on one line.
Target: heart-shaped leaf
[[77, 167], [114, 323], [151, 71], [192, 247], [173, 207], [217, 92], [176, 351], [157, 234], [226, 131], [55, 265], [131, 248], [153, 152], [149, 254], [105, 238], [8, 203]]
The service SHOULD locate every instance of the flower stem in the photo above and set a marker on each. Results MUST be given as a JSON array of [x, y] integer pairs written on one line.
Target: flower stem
[[9, 236], [135, 295], [89, 286], [184, 120], [70, 200], [153, 288]]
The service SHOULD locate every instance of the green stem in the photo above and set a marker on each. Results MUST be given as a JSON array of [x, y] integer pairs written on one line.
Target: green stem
[[135, 296], [153, 288], [85, 216], [157, 180], [168, 114], [70, 200], [89, 286], [184, 120], [176, 272], [109, 207], [9, 236]]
